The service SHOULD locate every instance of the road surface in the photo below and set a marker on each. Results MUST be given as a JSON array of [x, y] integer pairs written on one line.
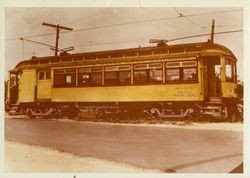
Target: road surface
[[165, 149]]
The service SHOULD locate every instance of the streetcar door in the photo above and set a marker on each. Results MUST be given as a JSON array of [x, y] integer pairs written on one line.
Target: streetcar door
[[43, 90], [13, 88], [212, 76]]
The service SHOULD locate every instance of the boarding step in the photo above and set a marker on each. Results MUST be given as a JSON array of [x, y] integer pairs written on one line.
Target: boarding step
[[215, 99]]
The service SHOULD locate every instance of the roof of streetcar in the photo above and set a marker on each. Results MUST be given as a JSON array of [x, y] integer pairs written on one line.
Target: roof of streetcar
[[113, 55]]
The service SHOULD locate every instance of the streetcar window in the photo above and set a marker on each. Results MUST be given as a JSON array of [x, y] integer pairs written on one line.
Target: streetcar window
[[83, 79], [48, 74], [217, 70], [124, 77], [140, 66], [90, 76], [90, 79], [140, 76], [189, 74], [59, 71], [96, 69], [189, 63], [173, 74], [148, 73], [44, 75], [110, 78], [59, 80], [125, 67], [173, 64], [41, 75], [229, 70], [181, 71], [83, 70], [111, 68], [235, 72], [155, 65], [155, 75], [96, 78], [117, 75], [64, 77], [117, 78]]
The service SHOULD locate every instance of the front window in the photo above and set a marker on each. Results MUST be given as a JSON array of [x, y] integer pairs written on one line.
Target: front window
[[217, 69], [229, 70]]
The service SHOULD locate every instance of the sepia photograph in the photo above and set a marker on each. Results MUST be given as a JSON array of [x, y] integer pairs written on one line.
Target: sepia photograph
[[123, 90]]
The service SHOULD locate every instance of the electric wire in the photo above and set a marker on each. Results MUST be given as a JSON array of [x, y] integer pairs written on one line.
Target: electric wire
[[129, 23], [188, 19], [173, 39]]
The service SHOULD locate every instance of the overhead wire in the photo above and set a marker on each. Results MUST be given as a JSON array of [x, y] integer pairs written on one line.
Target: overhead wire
[[131, 22], [173, 39], [204, 34], [188, 19], [103, 43]]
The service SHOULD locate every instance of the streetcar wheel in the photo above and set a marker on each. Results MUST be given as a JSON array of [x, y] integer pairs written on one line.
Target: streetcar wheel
[[71, 112], [31, 116]]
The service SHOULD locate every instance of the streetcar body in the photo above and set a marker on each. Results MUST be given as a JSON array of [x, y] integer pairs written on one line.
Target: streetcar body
[[174, 81]]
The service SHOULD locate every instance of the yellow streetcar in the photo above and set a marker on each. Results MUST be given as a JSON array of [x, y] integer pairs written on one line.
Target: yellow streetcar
[[158, 82]]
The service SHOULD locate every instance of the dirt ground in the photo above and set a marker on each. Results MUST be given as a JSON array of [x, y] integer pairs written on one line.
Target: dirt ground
[[236, 126], [25, 158]]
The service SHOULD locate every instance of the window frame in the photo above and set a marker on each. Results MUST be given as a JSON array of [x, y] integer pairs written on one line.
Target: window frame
[[44, 74], [147, 67], [89, 71], [166, 80], [181, 68], [65, 73], [232, 63], [117, 69], [196, 76]]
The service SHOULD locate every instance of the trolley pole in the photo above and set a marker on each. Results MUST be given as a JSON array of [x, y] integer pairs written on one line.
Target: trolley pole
[[58, 28], [212, 31]]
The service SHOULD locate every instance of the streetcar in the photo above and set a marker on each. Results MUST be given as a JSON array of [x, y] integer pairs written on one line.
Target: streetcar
[[165, 82]]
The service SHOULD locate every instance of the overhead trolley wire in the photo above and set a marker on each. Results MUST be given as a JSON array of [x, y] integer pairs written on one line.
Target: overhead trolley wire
[[173, 39], [181, 15], [204, 34], [106, 43], [129, 23]]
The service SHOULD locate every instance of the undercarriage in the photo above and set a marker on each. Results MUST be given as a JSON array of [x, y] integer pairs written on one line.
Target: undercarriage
[[143, 111]]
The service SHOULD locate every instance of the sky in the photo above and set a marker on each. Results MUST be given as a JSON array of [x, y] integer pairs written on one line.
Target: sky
[[96, 29]]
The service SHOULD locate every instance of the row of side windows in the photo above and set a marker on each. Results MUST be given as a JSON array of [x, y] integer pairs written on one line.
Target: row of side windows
[[150, 73]]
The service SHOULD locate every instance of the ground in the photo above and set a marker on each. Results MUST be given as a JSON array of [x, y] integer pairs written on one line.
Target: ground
[[102, 145], [27, 158]]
